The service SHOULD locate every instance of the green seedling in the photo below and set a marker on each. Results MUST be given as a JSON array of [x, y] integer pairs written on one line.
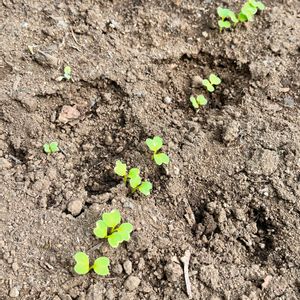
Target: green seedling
[[226, 14], [249, 9], [198, 101], [209, 83], [155, 145], [135, 181], [108, 228], [67, 74], [82, 266], [51, 147]]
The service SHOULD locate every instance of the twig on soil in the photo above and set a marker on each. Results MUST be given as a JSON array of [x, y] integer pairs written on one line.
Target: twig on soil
[[62, 151], [94, 247], [186, 260], [16, 160]]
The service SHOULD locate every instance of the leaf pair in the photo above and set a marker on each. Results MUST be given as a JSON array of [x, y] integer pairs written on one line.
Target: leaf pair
[[135, 181], [200, 100], [51, 147], [67, 74], [82, 266], [226, 14], [155, 145], [108, 228], [209, 83], [249, 9]]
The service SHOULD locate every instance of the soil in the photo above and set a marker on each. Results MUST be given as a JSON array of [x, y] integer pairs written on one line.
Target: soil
[[231, 192]]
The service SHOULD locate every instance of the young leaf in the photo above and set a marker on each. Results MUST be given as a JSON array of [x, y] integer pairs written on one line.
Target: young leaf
[[124, 230], [53, 147], [135, 181], [257, 4], [145, 188], [112, 219], [67, 72], [223, 12], [233, 17], [120, 168], [100, 230], [161, 158], [214, 79], [208, 85], [46, 148], [82, 263], [194, 102], [242, 17], [224, 24], [101, 266], [133, 172], [154, 144], [115, 239], [201, 100]]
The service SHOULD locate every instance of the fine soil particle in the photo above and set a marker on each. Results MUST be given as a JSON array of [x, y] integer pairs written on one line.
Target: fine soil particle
[[230, 194]]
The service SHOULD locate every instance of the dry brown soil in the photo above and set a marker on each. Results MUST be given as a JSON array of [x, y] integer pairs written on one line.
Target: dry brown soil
[[231, 192]]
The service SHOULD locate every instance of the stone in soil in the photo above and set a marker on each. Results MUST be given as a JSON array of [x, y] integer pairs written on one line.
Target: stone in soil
[[132, 282]]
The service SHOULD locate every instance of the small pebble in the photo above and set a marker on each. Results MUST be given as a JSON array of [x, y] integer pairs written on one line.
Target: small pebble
[[196, 81], [204, 34], [132, 282], [15, 266], [117, 269], [108, 140], [127, 267], [14, 292], [75, 207], [167, 100]]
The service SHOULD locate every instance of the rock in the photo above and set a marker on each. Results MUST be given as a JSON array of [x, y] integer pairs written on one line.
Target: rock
[[27, 101], [75, 207], [132, 282], [196, 81], [117, 269], [108, 140], [68, 113], [14, 292], [15, 267], [167, 100], [127, 265], [46, 59], [263, 162], [231, 132], [222, 216], [240, 214], [5, 164], [173, 271], [289, 101]]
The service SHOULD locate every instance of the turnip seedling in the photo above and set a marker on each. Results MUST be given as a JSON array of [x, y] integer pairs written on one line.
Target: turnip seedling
[[199, 101], [155, 145], [67, 74], [82, 266], [51, 147], [225, 14], [249, 9], [108, 228], [135, 180], [209, 83]]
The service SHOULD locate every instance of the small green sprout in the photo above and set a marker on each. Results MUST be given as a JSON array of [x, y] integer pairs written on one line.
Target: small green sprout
[[82, 266], [199, 101], [249, 9], [51, 147], [209, 83], [225, 14], [67, 74], [154, 145], [135, 181], [107, 228]]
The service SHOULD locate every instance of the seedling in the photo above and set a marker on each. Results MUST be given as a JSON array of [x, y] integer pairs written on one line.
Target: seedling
[[155, 145], [67, 74], [226, 14], [249, 9], [51, 147], [209, 83], [135, 181], [199, 101], [82, 266], [108, 228]]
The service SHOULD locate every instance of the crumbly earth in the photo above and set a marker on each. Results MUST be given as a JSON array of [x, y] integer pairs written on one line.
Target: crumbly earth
[[231, 192]]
